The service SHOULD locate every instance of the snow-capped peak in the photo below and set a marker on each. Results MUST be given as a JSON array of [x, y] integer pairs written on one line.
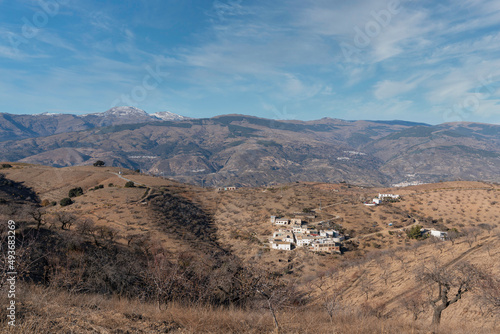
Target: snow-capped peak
[[125, 111], [168, 116]]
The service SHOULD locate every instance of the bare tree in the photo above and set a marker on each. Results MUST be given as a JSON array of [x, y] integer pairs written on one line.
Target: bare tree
[[453, 235], [37, 214], [414, 303], [365, 284], [331, 302], [452, 284], [489, 292], [471, 235], [386, 272], [66, 219]]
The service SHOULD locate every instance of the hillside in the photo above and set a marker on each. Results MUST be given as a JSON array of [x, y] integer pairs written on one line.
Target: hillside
[[248, 151], [365, 288]]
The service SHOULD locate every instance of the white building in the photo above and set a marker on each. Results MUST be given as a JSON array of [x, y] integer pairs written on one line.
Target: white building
[[281, 245], [303, 240], [439, 234], [281, 221], [382, 196]]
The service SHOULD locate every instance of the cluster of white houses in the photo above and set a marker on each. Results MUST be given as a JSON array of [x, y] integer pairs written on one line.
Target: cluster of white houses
[[293, 233], [380, 198]]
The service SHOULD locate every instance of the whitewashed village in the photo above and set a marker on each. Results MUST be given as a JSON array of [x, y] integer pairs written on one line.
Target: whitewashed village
[[292, 233], [295, 233]]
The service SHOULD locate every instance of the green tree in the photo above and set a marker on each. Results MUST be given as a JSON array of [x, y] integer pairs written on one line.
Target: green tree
[[99, 163], [66, 201], [75, 192], [130, 184], [414, 232]]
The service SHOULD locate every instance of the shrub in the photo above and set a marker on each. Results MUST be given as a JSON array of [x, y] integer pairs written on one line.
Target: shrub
[[99, 163], [66, 201], [75, 192], [414, 232], [111, 185], [6, 166], [129, 184]]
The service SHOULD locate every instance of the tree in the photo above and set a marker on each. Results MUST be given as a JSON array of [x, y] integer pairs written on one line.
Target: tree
[[38, 215], [489, 292], [75, 192], [66, 201], [453, 235], [414, 232], [66, 219], [365, 284], [99, 163], [130, 184], [471, 235], [452, 284], [414, 303]]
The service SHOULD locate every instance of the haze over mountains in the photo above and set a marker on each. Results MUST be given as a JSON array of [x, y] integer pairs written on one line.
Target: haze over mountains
[[244, 150], [46, 124]]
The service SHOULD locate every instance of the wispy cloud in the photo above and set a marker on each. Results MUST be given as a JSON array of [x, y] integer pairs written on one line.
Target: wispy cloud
[[257, 56]]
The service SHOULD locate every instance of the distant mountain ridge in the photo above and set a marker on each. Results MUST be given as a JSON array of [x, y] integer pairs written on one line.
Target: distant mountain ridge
[[16, 127], [248, 151]]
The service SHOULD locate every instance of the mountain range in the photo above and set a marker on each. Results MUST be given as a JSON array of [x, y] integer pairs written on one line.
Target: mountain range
[[46, 124], [248, 151]]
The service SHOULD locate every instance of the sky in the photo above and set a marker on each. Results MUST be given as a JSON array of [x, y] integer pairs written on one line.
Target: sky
[[423, 61]]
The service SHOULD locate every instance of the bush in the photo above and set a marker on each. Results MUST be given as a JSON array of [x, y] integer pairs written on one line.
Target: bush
[[130, 184], [111, 185], [66, 201], [6, 166], [75, 192], [99, 163], [99, 187], [414, 232]]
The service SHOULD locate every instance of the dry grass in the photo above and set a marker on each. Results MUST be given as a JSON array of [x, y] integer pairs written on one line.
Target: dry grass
[[243, 214], [43, 310]]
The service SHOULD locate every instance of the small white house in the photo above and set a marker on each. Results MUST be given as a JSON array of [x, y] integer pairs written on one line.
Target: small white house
[[382, 196], [439, 234], [281, 221], [281, 245]]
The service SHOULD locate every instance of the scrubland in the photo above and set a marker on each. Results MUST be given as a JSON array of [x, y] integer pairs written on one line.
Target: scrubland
[[164, 257]]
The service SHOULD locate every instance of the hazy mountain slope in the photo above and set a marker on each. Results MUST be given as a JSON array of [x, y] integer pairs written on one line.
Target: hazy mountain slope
[[15, 127], [245, 150], [442, 152]]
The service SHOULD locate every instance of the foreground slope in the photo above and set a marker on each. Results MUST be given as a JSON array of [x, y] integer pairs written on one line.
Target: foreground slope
[[365, 288]]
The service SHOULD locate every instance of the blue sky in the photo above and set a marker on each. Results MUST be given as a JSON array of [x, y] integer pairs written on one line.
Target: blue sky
[[424, 61]]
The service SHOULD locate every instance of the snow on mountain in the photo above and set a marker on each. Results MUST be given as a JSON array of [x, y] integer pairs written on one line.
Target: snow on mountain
[[122, 115], [125, 111], [168, 116]]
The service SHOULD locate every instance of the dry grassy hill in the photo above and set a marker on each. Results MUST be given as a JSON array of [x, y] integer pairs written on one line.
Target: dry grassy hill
[[366, 289]]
